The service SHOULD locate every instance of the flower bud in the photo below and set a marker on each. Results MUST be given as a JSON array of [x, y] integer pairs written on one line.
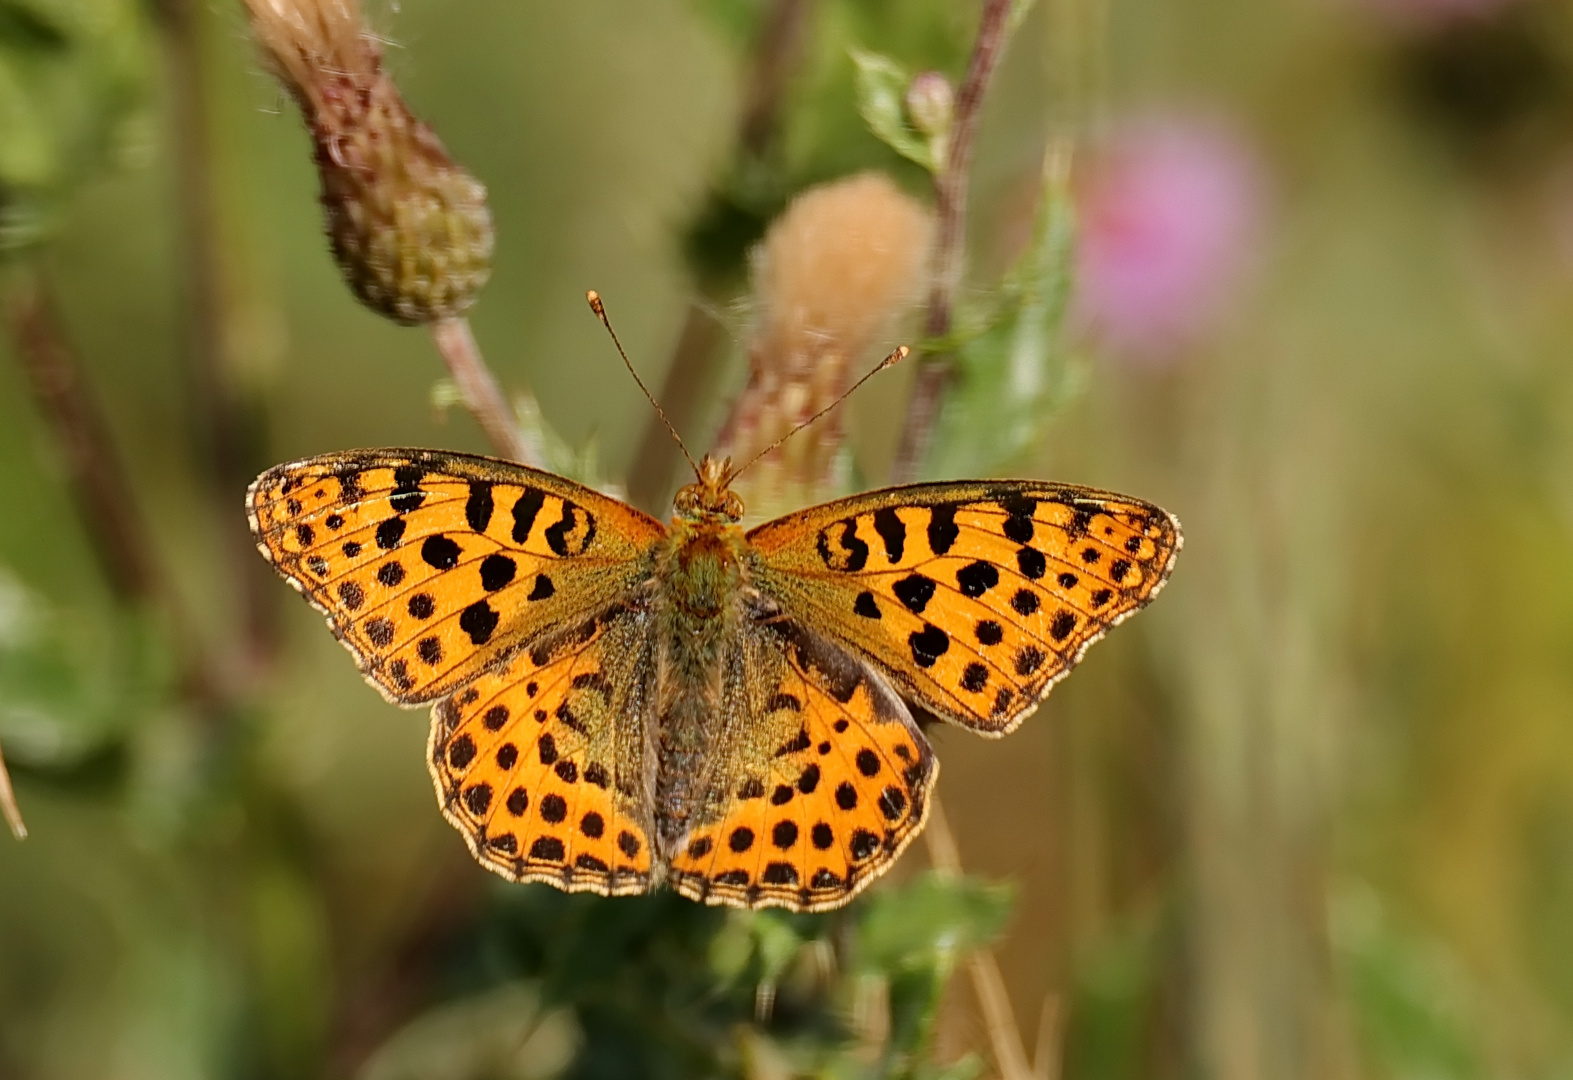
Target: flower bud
[[409, 227], [931, 104], [835, 270]]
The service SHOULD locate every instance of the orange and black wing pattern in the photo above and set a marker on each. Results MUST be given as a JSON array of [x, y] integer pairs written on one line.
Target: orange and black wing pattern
[[430, 566], [828, 802], [976, 597], [541, 764]]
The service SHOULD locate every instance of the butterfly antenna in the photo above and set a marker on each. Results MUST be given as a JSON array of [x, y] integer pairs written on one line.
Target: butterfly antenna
[[890, 361], [600, 313]]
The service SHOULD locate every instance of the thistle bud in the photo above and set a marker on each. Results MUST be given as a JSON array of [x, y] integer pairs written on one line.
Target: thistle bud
[[409, 227], [836, 269]]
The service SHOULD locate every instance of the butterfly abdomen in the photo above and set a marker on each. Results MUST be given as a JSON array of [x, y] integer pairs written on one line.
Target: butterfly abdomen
[[698, 607]]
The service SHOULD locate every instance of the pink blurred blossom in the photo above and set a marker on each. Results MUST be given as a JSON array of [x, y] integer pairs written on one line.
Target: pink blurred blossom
[[1170, 211]]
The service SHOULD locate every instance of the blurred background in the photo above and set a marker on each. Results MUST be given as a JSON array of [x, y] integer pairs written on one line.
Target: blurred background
[[1300, 272]]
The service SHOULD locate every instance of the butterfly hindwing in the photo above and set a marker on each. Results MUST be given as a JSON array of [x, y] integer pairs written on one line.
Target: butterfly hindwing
[[976, 597], [840, 790], [539, 764], [430, 565]]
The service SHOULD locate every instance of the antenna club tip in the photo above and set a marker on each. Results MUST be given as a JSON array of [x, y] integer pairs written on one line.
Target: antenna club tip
[[901, 353], [595, 300]]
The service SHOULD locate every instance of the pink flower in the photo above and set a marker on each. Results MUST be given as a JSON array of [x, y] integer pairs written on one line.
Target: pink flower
[[1170, 211]]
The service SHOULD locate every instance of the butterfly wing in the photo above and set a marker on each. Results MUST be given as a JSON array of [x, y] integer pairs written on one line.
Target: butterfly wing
[[542, 763], [430, 566], [832, 782], [976, 597]]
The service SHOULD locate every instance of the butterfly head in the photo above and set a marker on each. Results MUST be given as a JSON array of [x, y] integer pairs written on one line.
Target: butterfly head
[[710, 498]]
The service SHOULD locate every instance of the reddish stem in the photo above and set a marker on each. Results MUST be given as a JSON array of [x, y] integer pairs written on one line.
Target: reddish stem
[[950, 191]]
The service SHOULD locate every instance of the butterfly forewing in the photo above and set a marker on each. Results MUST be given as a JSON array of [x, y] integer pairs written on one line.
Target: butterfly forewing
[[975, 597], [539, 763], [430, 566]]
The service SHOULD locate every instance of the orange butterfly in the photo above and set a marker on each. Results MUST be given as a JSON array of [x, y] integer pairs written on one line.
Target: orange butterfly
[[621, 704]]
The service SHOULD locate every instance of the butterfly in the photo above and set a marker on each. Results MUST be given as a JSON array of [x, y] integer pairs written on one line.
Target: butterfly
[[619, 704]]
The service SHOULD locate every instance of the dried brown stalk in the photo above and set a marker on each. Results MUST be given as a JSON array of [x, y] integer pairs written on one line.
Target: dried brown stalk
[[950, 191], [1010, 1056], [8, 807], [97, 479], [479, 391]]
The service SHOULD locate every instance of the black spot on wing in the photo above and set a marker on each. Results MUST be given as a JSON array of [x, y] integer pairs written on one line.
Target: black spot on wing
[[479, 621], [1018, 524], [524, 512], [891, 529], [547, 849], [440, 553], [977, 578], [840, 548], [497, 570], [942, 530], [975, 677], [1028, 660], [479, 506], [865, 605], [928, 645], [573, 532], [478, 798], [461, 752], [407, 494], [389, 533], [915, 591]]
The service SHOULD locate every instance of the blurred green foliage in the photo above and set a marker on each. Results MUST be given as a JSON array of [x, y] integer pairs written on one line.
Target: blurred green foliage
[[73, 79]]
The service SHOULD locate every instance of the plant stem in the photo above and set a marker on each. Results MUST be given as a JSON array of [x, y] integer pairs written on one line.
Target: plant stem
[[950, 196], [8, 807], [96, 476], [987, 983], [480, 393]]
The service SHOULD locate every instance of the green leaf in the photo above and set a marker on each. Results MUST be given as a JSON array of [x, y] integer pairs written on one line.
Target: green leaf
[[70, 687], [881, 94], [1408, 994], [906, 928], [72, 81], [502, 1034]]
